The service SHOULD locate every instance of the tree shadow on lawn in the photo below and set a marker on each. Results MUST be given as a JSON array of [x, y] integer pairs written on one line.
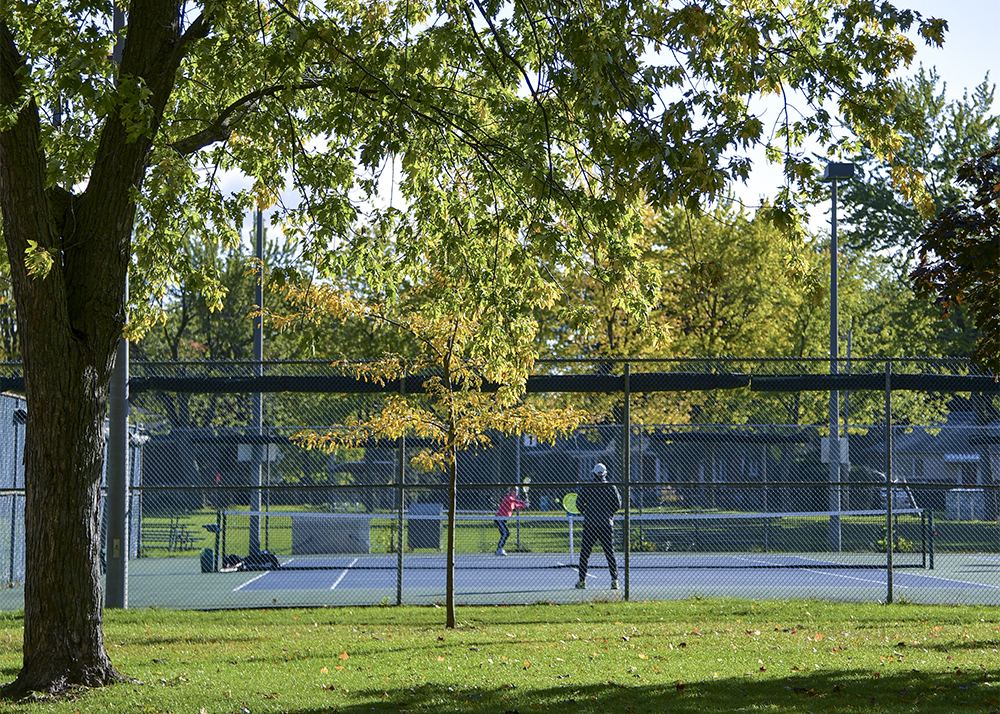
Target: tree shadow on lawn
[[854, 690]]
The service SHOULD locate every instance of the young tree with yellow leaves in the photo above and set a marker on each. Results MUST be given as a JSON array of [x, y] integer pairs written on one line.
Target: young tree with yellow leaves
[[466, 392]]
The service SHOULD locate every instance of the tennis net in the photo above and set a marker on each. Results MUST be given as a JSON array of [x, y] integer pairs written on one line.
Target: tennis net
[[309, 540]]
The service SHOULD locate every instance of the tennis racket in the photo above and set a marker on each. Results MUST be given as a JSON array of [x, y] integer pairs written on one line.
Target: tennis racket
[[569, 503]]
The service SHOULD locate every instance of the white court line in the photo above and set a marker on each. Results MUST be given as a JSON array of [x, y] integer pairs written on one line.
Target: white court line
[[895, 584], [575, 567], [952, 580], [344, 573], [251, 580], [817, 571], [258, 577]]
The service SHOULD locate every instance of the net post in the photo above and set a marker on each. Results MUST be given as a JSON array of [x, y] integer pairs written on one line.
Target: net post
[[923, 538], [930, 536], [218, 535], [888, 481]]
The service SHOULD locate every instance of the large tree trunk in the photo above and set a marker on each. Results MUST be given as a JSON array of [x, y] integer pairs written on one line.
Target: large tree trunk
[[68, 325], [71, 320], [64, 453]]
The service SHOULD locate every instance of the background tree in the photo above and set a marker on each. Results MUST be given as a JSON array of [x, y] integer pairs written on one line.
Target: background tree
[[937, 135], [960, 254], [10, 343], [733, 285], [566, 118]]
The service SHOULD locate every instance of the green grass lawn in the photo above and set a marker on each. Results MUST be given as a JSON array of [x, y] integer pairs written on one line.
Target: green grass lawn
[[678, 657]]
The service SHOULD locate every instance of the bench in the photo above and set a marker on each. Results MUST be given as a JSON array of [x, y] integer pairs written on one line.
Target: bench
[[172, 536]]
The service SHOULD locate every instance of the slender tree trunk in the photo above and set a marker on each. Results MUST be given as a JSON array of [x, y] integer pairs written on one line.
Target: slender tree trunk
[[452, 620]]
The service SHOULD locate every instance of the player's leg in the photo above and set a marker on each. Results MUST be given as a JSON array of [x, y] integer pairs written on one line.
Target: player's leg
[[504, 532], [608, 546], [586, 546]]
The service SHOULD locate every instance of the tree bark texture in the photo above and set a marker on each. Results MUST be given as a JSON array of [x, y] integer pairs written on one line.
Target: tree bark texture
[[70, 321]]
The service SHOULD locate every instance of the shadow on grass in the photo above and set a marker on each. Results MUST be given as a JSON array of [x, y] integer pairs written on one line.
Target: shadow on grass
[[813, 692]]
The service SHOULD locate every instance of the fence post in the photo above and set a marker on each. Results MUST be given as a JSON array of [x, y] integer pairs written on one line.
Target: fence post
[[627, 469], [888, 481], [116, 469], [401, 493]]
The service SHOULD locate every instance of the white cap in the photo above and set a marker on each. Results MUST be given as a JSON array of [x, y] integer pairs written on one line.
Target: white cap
[[600, 470]]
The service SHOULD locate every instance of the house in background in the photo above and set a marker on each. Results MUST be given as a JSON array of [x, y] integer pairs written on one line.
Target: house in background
[[946, 458], [946, 454]]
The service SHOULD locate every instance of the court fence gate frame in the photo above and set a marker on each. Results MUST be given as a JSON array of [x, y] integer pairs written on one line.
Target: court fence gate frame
[[730, 480]]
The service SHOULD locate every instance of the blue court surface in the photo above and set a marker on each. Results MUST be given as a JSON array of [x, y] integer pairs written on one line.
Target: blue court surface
[[519, 578], [486, 579]]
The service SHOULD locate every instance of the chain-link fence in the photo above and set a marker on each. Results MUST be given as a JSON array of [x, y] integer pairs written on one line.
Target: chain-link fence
[[730, 483]]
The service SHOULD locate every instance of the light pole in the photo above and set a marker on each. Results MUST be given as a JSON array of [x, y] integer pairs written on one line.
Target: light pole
[[257, 469], [833, 172]]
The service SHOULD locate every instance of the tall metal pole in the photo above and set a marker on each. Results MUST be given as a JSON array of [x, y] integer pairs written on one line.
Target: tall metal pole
[[888, 482], [834, 451], [117, 500], [401, 497], [833, 172], [257, 467]]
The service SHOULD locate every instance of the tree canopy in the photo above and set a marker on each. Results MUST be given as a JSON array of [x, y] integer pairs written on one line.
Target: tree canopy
[[938, 133]]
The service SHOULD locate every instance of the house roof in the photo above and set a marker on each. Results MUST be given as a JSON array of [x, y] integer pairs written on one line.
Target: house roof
[[951, 439]]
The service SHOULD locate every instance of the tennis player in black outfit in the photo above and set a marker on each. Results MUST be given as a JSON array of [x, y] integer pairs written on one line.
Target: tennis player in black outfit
[[598, 502]]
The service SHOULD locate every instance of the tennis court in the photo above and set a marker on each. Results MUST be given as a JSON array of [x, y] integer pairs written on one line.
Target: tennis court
[[547, 575], [178, 582]]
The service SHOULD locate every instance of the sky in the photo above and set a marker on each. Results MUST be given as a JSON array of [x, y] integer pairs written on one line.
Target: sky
[[972, 45]]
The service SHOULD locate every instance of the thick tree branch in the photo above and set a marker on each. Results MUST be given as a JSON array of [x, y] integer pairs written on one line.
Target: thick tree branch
[[222, 128]]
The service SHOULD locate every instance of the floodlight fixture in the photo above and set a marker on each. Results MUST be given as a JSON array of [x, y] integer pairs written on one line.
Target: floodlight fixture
[[835, 171]]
